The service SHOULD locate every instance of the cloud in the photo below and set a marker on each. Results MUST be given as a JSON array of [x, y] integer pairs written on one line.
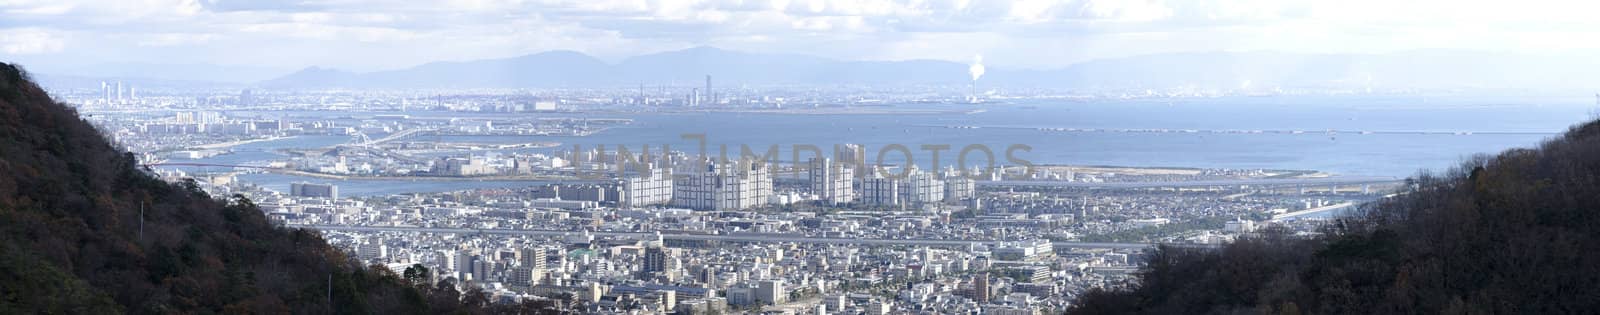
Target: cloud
[[175, 39], [40, 9], [1013, 33], [29, 41], [259, 5], [330, 32]]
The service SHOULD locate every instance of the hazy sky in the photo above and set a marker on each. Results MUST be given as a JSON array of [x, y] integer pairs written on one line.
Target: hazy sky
[[384, 34]]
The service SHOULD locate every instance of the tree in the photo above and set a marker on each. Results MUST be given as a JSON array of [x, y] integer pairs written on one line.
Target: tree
[[85, 229], [1509, 233], [417, 274]]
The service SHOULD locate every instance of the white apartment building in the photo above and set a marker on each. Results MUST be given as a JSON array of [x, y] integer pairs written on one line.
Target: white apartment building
[[959, 188], [652, 187], [921, 188], [723, 186], [832, 182]]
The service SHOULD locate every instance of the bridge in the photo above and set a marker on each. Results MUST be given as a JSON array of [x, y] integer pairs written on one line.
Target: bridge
[[394, 136], [751, 238], [214, 165]]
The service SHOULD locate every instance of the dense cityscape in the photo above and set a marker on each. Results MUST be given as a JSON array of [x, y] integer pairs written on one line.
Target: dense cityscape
[[799, 157], [627, 231]]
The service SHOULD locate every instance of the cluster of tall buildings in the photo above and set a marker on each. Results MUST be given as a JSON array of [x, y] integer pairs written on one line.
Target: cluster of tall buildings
[[709, 184], [519, 267], [697, 97], [840, 183], [209, 123], [114, 93]]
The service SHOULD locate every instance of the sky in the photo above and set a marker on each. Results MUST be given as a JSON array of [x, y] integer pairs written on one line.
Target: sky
[[369, 35]]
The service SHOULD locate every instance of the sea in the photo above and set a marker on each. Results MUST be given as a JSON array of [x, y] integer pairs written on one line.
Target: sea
[[1356, 135]]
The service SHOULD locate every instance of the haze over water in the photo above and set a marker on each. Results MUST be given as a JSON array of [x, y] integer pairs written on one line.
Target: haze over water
[[1493, 127], [1205, 133]]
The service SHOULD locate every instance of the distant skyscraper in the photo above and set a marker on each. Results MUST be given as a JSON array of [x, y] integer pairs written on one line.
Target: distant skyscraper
[[372, 250], [464, 262], [832, 182], [878, 190], [921, 187], [482, 269], [119, 90], [771, 292], [314, 190], [708, 275], [655, 259], [533, 258], [246, 98], [980, 288], [711, 98], [959, 188]]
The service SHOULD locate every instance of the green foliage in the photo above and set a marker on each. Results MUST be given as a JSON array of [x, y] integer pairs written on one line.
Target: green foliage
[[417, 274], [28, 285], [1515, 233], [73, 238]]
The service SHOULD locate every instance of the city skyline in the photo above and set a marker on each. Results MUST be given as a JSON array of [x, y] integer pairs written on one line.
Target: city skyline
[[826, 157]]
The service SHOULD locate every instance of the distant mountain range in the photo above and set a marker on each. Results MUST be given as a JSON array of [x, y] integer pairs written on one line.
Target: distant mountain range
[[1217, 70], [1263, 71], [152, 75], [683, 67]]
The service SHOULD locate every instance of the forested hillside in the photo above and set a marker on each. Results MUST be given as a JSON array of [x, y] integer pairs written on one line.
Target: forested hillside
[[1514, 233], [73, 239]]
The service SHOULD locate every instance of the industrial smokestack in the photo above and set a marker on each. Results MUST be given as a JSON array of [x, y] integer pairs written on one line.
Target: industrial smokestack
[[976, 71]]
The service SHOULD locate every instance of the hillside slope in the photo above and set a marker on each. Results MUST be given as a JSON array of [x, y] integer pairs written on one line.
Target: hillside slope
[[73, 238], [1514, 233]]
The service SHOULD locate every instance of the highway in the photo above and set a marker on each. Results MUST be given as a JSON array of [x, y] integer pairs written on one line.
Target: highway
[[761, 238], [236, 143], [1311, 211], [394, 136], [1316, 181]]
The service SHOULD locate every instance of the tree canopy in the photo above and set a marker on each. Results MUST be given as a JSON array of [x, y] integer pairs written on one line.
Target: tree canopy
[[71, 239], [1514, 233]]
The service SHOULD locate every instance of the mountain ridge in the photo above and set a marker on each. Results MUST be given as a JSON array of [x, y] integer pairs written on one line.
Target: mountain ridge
[[1261, 70], [1192, 72], [85, 229], [1512, 233]]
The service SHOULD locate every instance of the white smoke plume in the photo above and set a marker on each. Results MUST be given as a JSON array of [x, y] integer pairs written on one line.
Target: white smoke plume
[[976, 70]]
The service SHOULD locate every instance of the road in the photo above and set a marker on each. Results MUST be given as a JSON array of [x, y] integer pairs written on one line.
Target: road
[[1316, 181], [394, 136], [551, 179], [236, 143], [701, 237], [1311, 211]]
